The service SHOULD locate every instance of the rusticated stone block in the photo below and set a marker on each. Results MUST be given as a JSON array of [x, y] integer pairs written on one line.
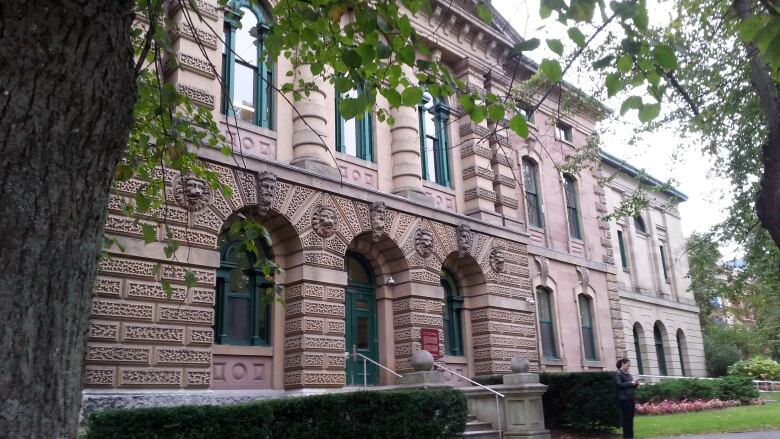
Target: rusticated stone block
[[118, 354], [103, 330], [127, 267], [100, 376], [305, 378], [122, 310], [198, 377], [154, 291], [175, 273], [153, 333], [203, 336], [169, 356], [108, 287], [148, 376], [185, 314], [202, 296]]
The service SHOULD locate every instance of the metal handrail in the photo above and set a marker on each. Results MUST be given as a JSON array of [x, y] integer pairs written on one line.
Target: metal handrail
[[354, 356], [497, 395]]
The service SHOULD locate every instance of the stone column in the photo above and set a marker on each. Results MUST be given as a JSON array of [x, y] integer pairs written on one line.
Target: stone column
[[310, 128]]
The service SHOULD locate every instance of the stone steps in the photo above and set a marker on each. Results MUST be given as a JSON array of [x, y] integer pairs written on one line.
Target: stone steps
[[476, 429]]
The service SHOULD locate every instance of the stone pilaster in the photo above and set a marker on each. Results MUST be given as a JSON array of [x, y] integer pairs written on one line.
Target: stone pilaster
[[314, 336], [410, 315]]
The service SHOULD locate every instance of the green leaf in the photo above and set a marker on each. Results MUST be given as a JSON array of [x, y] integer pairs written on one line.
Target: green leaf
[[625, 63], [603, 62], [392, 96], [555, 45], [576, 36], [665, 57], [190, 280], [478, 113], [631, 103], [412, 95], [166, 286], [519, 125], [581, 10], [614, 85], [552, 70], [351, 58], [527, 45], [484, 12], [142, 202], [641, 19], [496, 112], [649, 112], [343, 85], [150, 233]]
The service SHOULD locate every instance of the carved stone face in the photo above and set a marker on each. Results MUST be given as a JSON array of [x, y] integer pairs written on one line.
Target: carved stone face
[[266, 189], [423, 243], [497, 260], [464, 239], [377, 215], [191, 192], [324, 221]]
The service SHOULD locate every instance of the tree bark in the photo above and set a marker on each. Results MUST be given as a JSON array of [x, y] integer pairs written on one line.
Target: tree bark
[[66, 96], [768, 199]]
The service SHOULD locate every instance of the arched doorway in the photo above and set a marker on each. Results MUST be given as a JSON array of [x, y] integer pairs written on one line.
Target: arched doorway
[[361, 321]]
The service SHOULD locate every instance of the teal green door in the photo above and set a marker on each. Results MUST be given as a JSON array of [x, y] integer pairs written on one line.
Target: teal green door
[[361, 324]]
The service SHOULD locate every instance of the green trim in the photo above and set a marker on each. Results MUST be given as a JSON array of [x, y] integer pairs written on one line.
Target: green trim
[[453, 340], [531, 174], [365, 135], [441, 156], [263, 72], [361, 292], [588, 340], [570, 190], [549, 349]]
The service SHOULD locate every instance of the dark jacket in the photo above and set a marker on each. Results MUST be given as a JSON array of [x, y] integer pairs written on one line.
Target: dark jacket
[[624, 385]]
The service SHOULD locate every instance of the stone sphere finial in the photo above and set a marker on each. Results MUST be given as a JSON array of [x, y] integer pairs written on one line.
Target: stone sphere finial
[[519, 364], [422, 361]]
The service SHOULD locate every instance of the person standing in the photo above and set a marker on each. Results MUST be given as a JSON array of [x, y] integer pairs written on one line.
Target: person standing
[[625, 388]]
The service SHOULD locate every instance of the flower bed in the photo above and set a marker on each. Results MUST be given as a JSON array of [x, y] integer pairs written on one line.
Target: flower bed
[[668, 407]]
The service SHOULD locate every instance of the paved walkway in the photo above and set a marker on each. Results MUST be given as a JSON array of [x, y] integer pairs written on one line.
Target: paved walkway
[[748, 435]]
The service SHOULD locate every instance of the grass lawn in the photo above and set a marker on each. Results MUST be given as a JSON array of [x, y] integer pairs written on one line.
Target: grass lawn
[[747, 418]]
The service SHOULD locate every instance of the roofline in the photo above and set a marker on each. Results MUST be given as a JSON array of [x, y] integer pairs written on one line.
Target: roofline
[[623, 166]]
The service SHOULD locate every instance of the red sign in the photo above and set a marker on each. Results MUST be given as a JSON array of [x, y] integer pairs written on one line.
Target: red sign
[[429, 338]]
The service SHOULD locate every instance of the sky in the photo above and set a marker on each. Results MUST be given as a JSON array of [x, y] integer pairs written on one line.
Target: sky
[[662, 154]]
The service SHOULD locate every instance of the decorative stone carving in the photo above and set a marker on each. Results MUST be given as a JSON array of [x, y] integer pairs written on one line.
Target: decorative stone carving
[[192, 193], [497, 260], [464, 238], [324, 221], [584, 277], [544, 269], [378, 217], [423, 243], [266, 189]]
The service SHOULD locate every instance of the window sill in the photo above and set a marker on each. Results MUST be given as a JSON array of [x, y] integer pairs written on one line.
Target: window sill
[[436, 186], [567, 142], [627, 270], [553, 362], [455, 359], [232, 122], [536, 229], [593, 363], [257, 351], [356, 161], [577, 240]]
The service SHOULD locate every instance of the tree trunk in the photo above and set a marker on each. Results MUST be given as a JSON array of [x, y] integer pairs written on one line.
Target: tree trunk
[[768, 200], [66, 97]]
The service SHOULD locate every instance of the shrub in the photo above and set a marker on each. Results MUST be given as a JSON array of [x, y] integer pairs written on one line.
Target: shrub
[[739, 388], [757, 368], [489, 380], [668, 407], [385, 414], [580, 401], [729, 388]]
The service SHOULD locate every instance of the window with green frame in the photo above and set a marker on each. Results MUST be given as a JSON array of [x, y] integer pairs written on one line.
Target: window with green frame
[[248, 93], [453, 305], [355, 136], [586, 324], [659, 350], [570, 188], [638, 349], [623, 253], [434, 144], [546, 327], [530, 181], [243, 317]]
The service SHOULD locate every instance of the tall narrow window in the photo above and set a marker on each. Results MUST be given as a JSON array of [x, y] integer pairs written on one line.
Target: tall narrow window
[[355, 136], [242, 316], [638, 350], [248, 77], [622, 245], [663, 263], [570, 188], [563, 132], [639, 224], [680, 347], [453, 338], [527, 113], [659, 350], [546, 328], [530, 180], [434, 144], [586, 323]]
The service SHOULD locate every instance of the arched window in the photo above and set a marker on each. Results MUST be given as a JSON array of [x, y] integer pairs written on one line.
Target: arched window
[[639, 224], [453, 306], [586, 324], [681, 346], [659, 350], [531, 183], [570, 188], [243, 317], [434, 144], [638, 350], [546, 325], [355, 136], [248, 91]]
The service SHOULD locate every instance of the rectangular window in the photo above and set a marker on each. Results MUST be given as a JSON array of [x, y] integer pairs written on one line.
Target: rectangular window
[[622, 245], [533, 206], [354, 136], [527, 113], [563, 132], [570, 189], [663, 264], [586, 324], [546, 329], [434, 143]]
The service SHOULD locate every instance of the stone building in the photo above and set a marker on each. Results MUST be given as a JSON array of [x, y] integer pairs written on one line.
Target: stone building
[[382, 232], [660, 315]]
